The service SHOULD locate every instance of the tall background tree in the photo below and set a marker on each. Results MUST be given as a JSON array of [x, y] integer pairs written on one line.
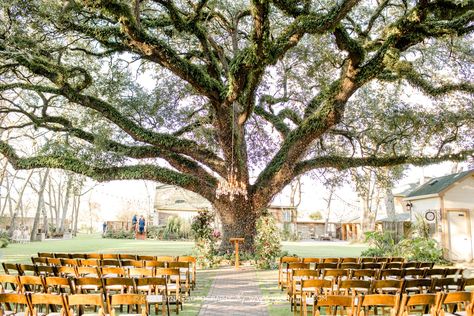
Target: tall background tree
[[185, 92]]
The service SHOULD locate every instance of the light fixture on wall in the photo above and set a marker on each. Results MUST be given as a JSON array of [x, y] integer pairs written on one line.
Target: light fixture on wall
[[409, 207]]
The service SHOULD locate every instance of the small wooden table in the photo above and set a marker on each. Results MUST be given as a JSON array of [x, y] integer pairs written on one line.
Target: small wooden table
[[236, 243]]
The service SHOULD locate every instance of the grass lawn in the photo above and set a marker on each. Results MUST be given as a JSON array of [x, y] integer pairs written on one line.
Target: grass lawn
[[275, 298]]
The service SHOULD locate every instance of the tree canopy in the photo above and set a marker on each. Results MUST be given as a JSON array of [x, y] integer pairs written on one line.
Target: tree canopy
[[179, 91]]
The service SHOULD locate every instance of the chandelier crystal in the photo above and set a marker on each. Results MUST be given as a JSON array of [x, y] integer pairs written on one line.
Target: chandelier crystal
[[231, 186]]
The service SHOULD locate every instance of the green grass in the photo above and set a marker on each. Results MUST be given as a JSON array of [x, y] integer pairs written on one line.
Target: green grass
[[323, 248], [95, 243]]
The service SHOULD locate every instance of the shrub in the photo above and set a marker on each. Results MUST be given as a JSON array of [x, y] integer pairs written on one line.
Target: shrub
[[205, 246], [120, 234], [267, 243], [177, 228], [155, 232], [4, 242]]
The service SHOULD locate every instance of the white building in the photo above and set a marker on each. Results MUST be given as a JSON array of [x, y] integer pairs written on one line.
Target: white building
[[447, 203]]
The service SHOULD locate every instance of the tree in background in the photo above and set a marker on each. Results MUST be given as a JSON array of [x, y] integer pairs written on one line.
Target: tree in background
[[192, 92]]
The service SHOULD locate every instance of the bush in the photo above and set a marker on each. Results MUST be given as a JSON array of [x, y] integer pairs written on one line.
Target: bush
[[4, 242], [267, 243], [417, 246], [155, 232], [176, 228], [120, 234], [205, 246]]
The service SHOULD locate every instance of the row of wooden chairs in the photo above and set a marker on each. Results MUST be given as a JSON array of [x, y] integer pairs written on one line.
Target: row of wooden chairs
[[168, 283], [343, 259], [75, 304], [454, 303], [101, 256], [378, 274], [148, 268], [303, 283]]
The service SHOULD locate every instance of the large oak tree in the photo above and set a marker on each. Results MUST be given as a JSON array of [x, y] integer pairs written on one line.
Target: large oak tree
[[178, 91]]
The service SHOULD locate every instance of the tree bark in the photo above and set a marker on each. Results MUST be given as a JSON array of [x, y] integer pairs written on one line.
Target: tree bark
[[238, 219], [66, 202]]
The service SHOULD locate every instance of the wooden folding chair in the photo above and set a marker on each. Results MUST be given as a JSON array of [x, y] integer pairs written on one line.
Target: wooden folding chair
[[127, 263], [155, 264], [166, 258], [423, 304], [62, 256], [367, 259], [428, 265], [46, 270], [11, 268], [456, 303], [350, 265], [393, 265], [27, 269], [192, 261], [397, 259], [31, 284], [391, 274], [118, 285], [46, 254], [350, 260], [114, 263], [112, 272], [67, 271], [372, 265], [132, 300], [410, 265], [363, 274], [39, 261], [89, 285], [54, 261], [283, 270], [378, 304], [414, 273], [312, 261], [382, 259], [434, 273], [97, 256], [78, 303], [50, 303], [59, 285], [14, 304], [127, 257], [173, 280], [69, 262], [140, 273], [447, 284], [156, 291], [89, 263], [185, 274], [114, 256], [418, 286], [333, 304], [146, 257], [79, 256], [9, 283], [88, 272], [295, 289], [309, 291]]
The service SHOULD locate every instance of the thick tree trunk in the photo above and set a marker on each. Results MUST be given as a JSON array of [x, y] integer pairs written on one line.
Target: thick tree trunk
[[238, 219], [40, 205]]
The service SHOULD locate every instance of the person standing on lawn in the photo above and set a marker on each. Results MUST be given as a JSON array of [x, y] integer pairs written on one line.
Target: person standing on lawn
[[141, 227]]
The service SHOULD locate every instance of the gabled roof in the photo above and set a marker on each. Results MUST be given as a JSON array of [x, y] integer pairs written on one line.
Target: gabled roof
[[436, 185], [172, 198]]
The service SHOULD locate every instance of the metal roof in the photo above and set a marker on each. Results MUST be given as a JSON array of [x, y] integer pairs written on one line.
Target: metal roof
[[436, 185]]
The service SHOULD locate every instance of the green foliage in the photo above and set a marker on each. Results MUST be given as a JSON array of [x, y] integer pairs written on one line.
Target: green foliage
[[267, 243], [287, 235], [176, 228], [4, 235], [120, 234], [205, 246], [4, 242], [417, 246], [316, 216], [155, 232]]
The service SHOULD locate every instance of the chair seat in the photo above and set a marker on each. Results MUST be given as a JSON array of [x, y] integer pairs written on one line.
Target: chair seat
[[89, 287], [144, 287], [117, 287], [309, 300]]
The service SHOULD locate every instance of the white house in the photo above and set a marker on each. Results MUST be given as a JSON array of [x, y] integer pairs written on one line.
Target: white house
[[448, 204]]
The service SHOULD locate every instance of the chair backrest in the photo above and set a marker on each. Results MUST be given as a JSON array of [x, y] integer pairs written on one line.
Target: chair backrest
[[334, 303], [413, 273], [11, 268], [79, 256], [391, 274], [367, 303], [110, 256], [107, 272], [141, 272], [128, 299], [47, 301], [330, 260], [19, 300], [348, 259], [110, 263], [326, 265], [123, 256], [59, 285], [39, 260], [453, 272], [132, 263], [77, 301], [165, 258], [146, 257], [69, 262], [86, 284], [46, 270], [429, 303], [447, 284], [320, 287], [410, 265], [53, 261], [155, 264], [27, 269], [371, 265], [46, 254], [363, 274], [418, 285], [62, 255], [393, 265], [461, 301], [397, 259], [88, 272], [67, 271], [383, 259], [97, 256], [305, 274], [122, 284], [7, 280], [428, 265], [349, 287], [387, 286], [432, 273], [367, 259], [155, 284], [89, 263], [29, 283], [350, 265]]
